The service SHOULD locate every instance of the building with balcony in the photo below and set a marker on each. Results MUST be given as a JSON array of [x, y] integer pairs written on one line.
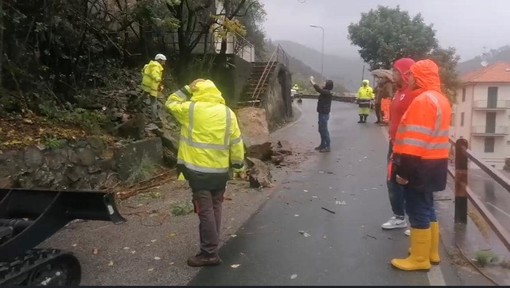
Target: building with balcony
[[482, 113]]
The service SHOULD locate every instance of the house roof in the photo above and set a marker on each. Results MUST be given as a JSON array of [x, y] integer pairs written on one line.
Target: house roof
[[495, 73]]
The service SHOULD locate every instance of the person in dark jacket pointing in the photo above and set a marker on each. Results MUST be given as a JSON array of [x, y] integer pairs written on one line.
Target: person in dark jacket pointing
[[323, 108]]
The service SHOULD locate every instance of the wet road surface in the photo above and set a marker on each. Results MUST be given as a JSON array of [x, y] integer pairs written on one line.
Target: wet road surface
[[295, 240]]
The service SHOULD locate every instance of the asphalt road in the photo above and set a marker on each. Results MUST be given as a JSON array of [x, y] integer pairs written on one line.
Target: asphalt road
[[293, 240]]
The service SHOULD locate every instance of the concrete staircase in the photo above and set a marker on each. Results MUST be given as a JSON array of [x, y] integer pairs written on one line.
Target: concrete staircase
[[256, 75]]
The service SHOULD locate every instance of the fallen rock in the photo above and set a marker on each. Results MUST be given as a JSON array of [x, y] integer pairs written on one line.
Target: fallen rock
[[255, 131], [283, 147], [277, 159], [259, 173], [133, 128]]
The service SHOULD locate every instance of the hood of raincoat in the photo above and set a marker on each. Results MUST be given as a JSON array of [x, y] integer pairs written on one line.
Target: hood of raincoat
[[403, 65], [206, 91], [426, 75]]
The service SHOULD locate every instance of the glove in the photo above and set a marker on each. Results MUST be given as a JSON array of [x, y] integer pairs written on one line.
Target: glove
[[238, 168]]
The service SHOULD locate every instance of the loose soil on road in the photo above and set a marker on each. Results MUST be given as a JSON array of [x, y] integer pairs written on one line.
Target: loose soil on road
[[152, 247]]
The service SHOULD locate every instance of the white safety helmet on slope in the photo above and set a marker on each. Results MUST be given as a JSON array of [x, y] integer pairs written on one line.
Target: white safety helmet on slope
[[160, 57]]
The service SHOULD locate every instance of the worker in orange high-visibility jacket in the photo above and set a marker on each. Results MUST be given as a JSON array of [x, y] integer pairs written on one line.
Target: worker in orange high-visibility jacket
[[420, 163]]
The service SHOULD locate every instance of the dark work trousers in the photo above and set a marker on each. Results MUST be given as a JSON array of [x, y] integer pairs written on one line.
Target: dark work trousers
[[378, 111], [208, 206], [420, 207], [395, 191]]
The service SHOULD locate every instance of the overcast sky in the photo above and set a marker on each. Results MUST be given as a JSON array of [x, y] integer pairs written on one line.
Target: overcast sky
[[467, 25]]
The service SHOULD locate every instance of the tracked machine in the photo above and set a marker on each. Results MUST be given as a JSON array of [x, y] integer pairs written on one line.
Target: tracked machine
[[28, 217]]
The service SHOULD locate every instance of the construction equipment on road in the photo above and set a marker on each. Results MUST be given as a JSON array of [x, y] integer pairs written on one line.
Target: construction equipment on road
[[28, 217]]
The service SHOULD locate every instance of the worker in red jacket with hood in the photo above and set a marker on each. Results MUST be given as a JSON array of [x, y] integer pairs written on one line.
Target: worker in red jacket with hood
[[401, 101]]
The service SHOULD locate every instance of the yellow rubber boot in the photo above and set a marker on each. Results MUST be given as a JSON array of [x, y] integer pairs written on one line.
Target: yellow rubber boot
[[420, 252], [434, 243]]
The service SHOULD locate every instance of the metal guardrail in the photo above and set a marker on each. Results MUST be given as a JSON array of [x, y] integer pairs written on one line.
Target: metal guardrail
[[463, 193], [335, 98]]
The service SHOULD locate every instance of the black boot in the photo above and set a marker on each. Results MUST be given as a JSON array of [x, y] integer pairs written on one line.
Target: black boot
[[360, 119], [365, 118]]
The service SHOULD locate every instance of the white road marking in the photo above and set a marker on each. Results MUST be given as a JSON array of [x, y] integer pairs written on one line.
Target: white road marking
[[435, 275]]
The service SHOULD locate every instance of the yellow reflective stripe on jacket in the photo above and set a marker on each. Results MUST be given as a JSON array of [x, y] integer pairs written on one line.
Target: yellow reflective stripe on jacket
[[202, 169], [423, 130], [191, 123]]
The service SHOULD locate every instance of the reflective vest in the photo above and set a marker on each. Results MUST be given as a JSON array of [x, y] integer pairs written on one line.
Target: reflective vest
[[152, 75], [365, 93], [423, 130], [210, 139]]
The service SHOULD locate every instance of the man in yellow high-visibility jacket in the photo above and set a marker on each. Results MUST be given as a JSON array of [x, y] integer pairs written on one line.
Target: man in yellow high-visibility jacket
[[152, 75], [210, 144], [364, 98], [152, 84]]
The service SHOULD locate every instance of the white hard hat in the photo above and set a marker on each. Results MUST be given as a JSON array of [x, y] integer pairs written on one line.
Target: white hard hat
[[160, 57]]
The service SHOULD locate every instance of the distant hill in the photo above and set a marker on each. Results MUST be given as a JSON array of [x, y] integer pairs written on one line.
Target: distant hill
[[344, 70], [301, 73], [496, 55]]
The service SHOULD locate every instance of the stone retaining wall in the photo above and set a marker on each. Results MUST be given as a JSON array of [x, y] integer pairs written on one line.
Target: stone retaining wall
[[83, 165]]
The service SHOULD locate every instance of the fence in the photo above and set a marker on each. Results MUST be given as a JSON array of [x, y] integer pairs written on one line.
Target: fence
[[463, 193]]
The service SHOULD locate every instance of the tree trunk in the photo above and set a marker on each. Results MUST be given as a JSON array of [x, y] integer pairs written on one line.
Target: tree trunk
[[1, 40], [227, 8]]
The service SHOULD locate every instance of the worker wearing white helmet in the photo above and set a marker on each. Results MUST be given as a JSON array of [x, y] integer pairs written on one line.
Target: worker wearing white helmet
[[153, 75], [152, 84]]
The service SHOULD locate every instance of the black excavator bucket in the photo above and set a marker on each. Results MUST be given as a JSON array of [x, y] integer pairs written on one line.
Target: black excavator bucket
[[29, 216]]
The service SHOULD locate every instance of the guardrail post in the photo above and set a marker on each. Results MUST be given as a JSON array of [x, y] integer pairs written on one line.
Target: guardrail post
[[461, 181]]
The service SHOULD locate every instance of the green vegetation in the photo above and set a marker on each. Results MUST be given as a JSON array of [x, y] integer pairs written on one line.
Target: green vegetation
[[387, 34], [182, 209]]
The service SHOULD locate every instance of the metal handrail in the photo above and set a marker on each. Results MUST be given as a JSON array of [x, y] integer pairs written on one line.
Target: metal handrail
[[272, 60], [462, 191], [255, 95]]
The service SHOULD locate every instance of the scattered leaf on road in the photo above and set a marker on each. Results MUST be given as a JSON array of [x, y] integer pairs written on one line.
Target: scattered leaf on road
[[157, 258], [150, 269], [340, 203], [74, 245], [95, 251], [154, 240], [172, 263], [293, 276], [233, 235], [304, 234], [315, 197], [296, 215], [111, 263], [306, 191], [133, 252], [235, 266], [126, 248]]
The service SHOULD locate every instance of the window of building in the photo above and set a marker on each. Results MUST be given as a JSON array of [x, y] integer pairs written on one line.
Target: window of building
[[489, 145], [492, 97], [452, 120], [462, 119], [464, 94]]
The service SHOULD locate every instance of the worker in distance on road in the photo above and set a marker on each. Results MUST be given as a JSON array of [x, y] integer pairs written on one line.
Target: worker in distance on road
[[364, 99], [323, 109]]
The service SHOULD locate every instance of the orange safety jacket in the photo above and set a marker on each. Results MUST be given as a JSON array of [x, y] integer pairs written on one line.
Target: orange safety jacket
[[421, 147]]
